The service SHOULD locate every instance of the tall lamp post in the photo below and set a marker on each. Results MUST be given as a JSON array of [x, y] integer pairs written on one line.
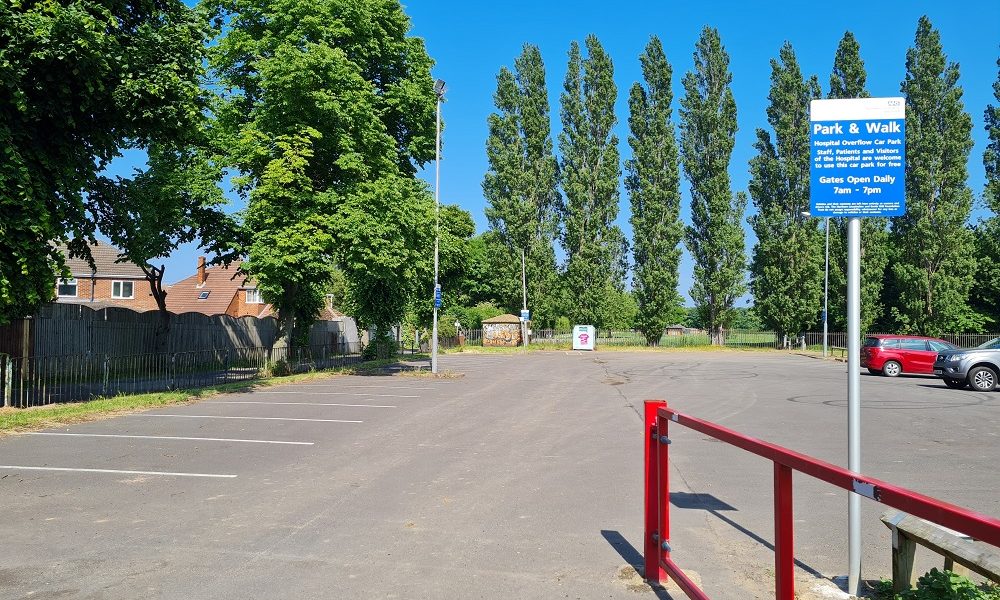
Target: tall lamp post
[[826, 282], [439, 90]]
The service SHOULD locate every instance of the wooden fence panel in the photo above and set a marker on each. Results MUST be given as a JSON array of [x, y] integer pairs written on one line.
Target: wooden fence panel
[[73, 329]]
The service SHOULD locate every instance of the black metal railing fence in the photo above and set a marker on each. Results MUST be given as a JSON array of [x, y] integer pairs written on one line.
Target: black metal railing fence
[[37, 381]]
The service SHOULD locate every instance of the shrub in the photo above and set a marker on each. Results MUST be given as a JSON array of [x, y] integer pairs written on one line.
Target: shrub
[[939, 585]]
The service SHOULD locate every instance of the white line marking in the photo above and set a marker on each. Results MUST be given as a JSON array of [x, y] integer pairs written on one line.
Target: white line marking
[[382, 387], [23, 468], [170, 437], [250, 418], [344, 394], [298, 403]]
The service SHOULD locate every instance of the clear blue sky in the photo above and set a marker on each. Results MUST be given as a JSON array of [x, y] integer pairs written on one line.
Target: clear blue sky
[[471, 40]]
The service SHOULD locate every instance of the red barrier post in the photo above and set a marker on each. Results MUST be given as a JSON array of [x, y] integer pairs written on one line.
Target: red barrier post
[[784, 549], [651, 548], [663, 453]]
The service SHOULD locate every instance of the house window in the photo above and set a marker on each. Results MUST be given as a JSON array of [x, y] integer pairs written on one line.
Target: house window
[[204, 295], [253, 297], [66, 288], [122, 290]]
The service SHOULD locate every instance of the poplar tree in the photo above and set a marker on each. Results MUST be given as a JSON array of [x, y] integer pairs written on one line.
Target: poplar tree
[[594, 245], [715, 237], [848, 81], [653, 183], [521, 185], [787, 264], [935, 267], [986, 292]]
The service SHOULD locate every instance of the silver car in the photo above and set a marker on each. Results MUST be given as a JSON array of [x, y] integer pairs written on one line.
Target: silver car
[[978, 368]]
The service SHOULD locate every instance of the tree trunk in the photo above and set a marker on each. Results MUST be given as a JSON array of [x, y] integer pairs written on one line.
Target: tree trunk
[[155, 278]]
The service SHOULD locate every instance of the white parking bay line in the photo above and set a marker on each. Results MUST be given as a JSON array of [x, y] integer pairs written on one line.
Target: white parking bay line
[[341, 394], [299, 403], [170, 437], [115, 471], [249, 418], [381, 387]]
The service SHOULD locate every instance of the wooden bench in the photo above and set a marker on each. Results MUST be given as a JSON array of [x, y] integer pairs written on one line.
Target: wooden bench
[[841, 349], [908, 531]]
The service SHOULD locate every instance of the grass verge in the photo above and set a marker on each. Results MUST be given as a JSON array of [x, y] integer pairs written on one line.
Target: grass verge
[[13, 420], [548, 347]]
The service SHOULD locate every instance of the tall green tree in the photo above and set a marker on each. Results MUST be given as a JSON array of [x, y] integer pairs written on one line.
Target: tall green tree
[[935, 267], [80, 81], [594, 245], [787, 264], [291, 251], [986, 290], [653, 183], [715, 238], [521, 185], [455, 234], [848, 81], [334, 101]]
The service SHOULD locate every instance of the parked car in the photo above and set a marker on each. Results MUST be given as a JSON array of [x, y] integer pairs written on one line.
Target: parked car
[[978, 368], [891, 355]]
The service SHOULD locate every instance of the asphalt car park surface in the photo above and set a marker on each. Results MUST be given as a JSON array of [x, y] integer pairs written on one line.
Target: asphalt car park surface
[[523, 479]]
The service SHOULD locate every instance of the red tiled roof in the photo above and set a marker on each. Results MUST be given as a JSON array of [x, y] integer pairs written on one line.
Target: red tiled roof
[[221, 283], [105, 257]]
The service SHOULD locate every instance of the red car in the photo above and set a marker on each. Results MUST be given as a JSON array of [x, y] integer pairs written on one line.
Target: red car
[[891, 355]]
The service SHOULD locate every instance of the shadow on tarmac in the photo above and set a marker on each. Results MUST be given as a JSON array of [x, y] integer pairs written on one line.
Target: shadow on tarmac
[[632, 556], [714, 506]]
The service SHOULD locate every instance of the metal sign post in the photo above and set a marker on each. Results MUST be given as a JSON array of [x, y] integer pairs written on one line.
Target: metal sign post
[[857, 169]]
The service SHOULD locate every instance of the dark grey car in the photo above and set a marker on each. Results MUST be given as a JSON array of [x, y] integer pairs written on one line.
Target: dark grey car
[[978, 368]]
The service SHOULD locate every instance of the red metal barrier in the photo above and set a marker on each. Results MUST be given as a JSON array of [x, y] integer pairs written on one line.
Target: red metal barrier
[[657, 561]]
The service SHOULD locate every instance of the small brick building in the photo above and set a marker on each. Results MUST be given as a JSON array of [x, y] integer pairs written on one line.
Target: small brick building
[[503, 330]]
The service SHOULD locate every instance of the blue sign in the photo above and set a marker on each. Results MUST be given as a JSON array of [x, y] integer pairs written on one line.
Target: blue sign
[[857, 166], [437, 296], [525, 315]]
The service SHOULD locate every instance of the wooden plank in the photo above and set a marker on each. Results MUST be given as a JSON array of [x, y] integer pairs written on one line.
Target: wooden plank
[[976, 556], [903, 551]]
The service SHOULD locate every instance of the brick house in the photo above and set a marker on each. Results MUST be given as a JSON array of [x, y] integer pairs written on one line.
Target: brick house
[[217, 290], [108, 283]]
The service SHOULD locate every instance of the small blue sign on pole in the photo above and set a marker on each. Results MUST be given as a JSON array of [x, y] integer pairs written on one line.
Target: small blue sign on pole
[[437, 296], [857, 166], [525, 315]]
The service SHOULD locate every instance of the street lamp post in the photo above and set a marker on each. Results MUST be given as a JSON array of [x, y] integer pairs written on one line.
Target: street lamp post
[[439, 90]]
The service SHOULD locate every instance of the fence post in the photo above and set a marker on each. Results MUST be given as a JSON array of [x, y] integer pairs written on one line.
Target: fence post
[[652, 571], [173, 371], [784, 548], [104, 385], [8, 378]]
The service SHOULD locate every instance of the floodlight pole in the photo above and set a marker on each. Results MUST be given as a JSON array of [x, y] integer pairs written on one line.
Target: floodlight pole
[[439, 92], [524, 300]]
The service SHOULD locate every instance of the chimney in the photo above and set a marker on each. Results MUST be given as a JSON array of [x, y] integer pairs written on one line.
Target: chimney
[[201, 271]]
